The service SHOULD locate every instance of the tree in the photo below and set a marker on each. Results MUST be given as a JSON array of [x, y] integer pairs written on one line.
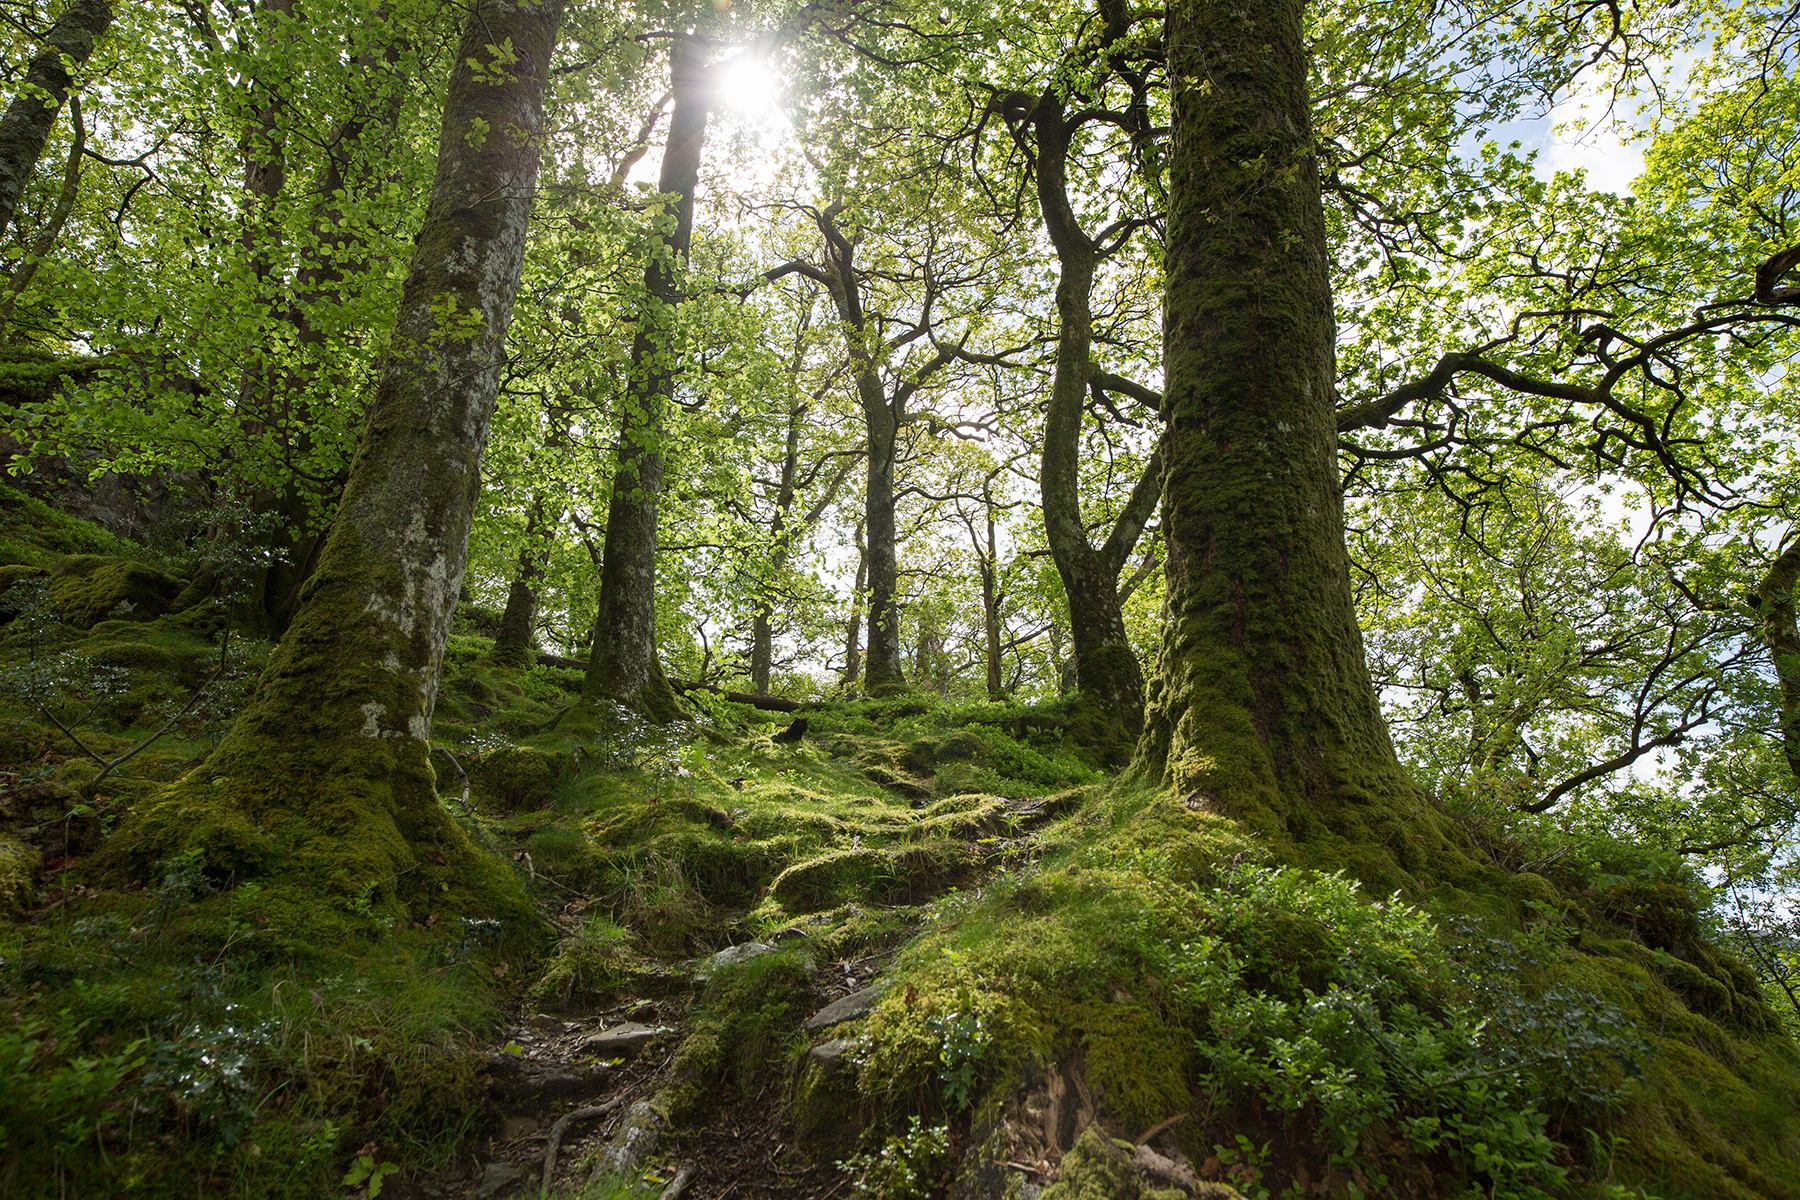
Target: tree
[[624, 666], [326, 775], [1263, 705], [26, 124], [1106, 669]]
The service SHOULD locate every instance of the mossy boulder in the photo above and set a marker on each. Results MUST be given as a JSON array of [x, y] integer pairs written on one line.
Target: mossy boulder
[[90, 588], [869, 873], [18, 874], [516, 778]]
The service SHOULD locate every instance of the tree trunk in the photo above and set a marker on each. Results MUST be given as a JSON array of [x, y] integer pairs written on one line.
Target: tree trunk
[[325, 780], [853, 642], [762, 640], [25, 127], [624, 666], [1106, 667], [882, 672], [1264, 706], [512, 644], [990, 607]]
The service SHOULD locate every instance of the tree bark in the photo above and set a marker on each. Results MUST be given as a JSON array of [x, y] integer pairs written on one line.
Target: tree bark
[[624, 666], [1263, 706], [326, 776], [1774, 600], [26, 125]]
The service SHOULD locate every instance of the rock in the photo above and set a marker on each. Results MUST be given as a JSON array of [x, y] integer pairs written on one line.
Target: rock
[[499, 1179], [848, 1008], [543, 1023], [827, 1054], [731, 956], [622, 1040], [643, 1011]]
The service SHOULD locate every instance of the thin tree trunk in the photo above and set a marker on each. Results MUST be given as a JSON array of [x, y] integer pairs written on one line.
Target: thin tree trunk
[[990, 607], [624, 666], [512, 643], [25, 127], [1265, 707], [326, 777], [762, 640], [853, 642]]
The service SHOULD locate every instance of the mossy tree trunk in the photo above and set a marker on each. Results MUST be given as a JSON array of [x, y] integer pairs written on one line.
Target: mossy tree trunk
[[1263, 705], [624, 666], [326, 776], [1773, 597], [25, 127]]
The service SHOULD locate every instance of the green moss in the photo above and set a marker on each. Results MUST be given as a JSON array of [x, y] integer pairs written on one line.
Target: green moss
[[89, 588], [1098, 1168], [737, 1030], [871, 873], [517, 777], [18, 874], [1141, 1061], [34, 534]]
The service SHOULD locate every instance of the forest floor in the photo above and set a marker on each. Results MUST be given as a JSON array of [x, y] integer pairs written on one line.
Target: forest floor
[[915, 948]]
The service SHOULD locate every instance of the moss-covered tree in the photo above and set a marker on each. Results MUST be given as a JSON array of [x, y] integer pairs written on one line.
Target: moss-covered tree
[[1263, 704], [325, 779]]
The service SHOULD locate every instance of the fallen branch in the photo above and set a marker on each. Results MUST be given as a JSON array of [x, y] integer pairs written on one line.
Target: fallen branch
[[445, 751], [561, 1127], [678, 1185]]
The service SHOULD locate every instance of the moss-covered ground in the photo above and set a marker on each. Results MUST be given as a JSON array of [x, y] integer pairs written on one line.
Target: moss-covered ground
[[1053, 984]]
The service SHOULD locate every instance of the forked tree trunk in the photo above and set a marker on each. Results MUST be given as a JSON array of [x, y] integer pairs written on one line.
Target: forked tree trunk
[[1264, 706], [326, 776], [1106, 667], [624, 666], [25, 127]]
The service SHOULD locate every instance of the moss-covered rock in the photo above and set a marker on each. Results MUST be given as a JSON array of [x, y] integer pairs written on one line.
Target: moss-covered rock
[[868, 873], [516, 778], [90, 588], [18, 874]]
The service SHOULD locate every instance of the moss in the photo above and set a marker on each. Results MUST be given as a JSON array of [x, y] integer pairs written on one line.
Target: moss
[[737, 1030], [517, 777], [588, 967], [34, 534], [89, 588], [871, 874], [1138, 1058], [18, 874], [1098, 1168]]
